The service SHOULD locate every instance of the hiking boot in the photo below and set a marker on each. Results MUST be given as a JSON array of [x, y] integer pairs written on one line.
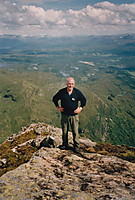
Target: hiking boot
[[63, 147], [76, 149]]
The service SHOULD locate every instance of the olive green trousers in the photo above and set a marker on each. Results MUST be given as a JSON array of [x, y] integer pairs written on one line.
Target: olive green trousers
[[73, 122]]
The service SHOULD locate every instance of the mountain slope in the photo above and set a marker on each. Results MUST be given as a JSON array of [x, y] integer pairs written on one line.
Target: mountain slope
[[26, 97], [33, 69]]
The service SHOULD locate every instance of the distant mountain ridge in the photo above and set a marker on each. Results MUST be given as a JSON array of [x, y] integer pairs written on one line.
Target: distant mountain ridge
[[38, 42]]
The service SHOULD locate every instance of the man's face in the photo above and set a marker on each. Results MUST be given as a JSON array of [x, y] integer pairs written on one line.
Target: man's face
[[70, 84]]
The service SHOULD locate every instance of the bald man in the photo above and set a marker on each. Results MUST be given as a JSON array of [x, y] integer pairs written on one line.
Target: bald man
[[70, 102]]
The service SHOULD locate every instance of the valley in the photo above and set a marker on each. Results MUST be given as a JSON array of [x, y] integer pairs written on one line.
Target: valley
[[33, 69]]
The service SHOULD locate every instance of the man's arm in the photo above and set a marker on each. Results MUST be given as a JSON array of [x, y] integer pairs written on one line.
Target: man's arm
[[55, 100], [82, 100]]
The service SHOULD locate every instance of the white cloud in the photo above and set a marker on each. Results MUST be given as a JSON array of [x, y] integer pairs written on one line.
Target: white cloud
[[33, 15], [105, 13], [9, 13], [38, 14], [101, 18]]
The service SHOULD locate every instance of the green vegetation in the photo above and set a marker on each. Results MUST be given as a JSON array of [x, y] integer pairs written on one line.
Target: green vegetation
[[14, 159], [25, 98], [121, 151], [32, 74]]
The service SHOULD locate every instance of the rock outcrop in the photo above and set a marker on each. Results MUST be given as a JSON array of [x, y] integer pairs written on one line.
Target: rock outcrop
[[51, 173]]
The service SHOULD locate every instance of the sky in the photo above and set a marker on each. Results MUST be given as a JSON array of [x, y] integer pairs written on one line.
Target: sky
[[67, 17]]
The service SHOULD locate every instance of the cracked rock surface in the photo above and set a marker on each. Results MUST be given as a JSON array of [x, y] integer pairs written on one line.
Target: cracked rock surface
[[52, 173]]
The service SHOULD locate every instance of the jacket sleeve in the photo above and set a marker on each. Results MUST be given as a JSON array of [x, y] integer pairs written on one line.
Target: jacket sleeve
[[56, 98], [82, 99]]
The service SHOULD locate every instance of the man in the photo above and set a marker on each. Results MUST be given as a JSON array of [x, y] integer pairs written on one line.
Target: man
[[71, 104]]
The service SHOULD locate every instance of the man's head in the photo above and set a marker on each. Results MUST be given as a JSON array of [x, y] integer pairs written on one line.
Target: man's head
[[70, 83]]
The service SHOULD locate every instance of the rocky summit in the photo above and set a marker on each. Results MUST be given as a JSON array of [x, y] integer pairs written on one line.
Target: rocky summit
[[34, 167]]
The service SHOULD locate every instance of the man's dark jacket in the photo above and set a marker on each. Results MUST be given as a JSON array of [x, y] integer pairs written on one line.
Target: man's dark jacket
[[69, 101]]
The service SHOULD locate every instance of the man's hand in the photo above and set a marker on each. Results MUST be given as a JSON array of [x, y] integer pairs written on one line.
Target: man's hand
[[78, 110], [60, 109]]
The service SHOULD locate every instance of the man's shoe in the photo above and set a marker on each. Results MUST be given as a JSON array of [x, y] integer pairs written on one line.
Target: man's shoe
[[63, 147], [76, 149]]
